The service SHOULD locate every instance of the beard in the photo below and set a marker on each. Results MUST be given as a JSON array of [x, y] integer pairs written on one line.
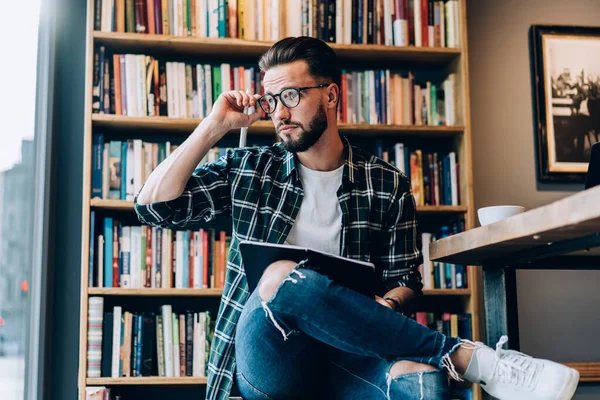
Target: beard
[[308, 138]]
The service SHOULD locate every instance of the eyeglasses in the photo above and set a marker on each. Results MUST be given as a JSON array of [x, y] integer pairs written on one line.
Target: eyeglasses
[[290, 98]]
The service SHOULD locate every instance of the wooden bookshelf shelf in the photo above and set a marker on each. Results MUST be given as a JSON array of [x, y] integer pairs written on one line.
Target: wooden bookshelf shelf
[[187, 125], [588, 371], [124, 205], [252, 49], [119, 205], [217, 292], [155, 292], [447, 292], [146, 380], [394, 130], [441, 209]]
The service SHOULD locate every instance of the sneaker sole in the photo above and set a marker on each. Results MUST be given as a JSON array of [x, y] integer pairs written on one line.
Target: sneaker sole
[[570, 385]]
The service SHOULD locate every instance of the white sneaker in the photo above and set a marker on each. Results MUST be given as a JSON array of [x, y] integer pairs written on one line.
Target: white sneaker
[[510, 375]]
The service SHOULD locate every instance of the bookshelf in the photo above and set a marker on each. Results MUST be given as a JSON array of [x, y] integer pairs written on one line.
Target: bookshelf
[[196, 46], [448, 60], [187, 292], [179, 126], [134, 381], [128, 205]]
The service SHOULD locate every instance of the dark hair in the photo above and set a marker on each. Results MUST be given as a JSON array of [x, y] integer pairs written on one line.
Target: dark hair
[[321, 59]]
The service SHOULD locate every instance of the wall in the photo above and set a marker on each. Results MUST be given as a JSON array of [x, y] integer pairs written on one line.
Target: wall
[[558, 316]]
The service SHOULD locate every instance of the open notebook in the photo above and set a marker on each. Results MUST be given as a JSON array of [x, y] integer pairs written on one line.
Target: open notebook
[[353, 274]]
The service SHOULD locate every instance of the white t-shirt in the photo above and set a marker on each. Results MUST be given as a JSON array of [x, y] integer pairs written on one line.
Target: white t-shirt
[[319, 220]]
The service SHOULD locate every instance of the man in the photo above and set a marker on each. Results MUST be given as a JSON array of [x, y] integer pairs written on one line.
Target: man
[[299, 335]]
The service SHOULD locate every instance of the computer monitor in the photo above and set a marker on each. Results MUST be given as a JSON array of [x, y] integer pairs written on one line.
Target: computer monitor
[[593, 175]]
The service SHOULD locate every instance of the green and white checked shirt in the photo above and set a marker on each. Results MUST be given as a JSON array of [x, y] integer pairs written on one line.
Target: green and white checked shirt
[[260, 189]]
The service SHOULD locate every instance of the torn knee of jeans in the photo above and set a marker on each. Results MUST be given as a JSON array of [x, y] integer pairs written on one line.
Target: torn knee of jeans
[[390, 379], [293, 273], [448, 365], [292, 276], [271, 281], [278, 326], [430, 383], [411, 375], [405, 367]]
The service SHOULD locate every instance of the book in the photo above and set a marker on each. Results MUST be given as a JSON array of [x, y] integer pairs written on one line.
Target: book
[[148, 352], [94, 336], [95, 392], [107, 344], [353, 274]]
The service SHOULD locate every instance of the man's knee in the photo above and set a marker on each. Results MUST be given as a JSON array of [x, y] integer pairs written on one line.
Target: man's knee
[[407, 367], [411, 380], [273, 276]]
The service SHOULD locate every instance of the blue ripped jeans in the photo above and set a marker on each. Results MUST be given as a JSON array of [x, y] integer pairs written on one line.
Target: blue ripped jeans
[[314, 339]]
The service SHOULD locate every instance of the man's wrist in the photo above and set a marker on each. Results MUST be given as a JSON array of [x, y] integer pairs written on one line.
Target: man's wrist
[[213, 128], [404, 296], [395, 304]]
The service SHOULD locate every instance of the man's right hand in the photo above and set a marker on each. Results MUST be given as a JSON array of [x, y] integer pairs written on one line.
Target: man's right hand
[[168, 180], [228, 110]]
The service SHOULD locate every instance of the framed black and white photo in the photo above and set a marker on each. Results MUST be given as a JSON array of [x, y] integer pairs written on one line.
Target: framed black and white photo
[[567, 85]]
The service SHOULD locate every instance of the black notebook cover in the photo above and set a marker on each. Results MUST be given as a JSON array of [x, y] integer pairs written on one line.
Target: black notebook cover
[[353, 274], [107, 335]]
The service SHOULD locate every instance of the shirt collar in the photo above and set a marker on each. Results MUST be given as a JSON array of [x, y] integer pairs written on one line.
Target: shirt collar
[[352, 173]]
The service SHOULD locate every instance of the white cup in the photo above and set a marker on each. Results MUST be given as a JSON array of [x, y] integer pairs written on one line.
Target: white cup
[[489, 215]]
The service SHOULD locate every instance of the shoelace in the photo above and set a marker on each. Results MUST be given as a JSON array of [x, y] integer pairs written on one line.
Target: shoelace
[[514, 367]]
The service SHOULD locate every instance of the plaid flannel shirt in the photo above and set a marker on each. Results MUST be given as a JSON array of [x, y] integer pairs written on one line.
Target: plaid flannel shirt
[[259, 188]]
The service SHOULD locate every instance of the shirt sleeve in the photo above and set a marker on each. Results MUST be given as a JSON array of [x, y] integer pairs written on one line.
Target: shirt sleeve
[[399, 249], [207, 194]]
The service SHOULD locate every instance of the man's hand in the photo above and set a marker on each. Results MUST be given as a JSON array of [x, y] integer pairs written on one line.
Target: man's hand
[[168, 180], [229, 107]]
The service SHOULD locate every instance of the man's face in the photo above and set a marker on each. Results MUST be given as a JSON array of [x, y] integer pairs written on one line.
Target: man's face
[[300, 127]]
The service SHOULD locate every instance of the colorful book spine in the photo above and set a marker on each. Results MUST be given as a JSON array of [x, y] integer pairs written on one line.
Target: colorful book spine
[[116, 341], [97, 158], [108, 252], [94, 336], [92, 254]]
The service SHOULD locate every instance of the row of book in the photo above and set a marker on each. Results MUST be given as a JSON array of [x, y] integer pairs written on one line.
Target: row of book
[[438, 275], [386, 97], [454, 325], [139, 85], [434, 178], [150, 257], [120, 168], [426, 23], [125, 344]]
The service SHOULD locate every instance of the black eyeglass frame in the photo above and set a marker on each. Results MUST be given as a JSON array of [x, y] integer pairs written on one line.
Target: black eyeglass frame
[[275, 96]]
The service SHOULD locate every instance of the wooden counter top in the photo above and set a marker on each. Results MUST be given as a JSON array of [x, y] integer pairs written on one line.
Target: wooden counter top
[[540, 229]]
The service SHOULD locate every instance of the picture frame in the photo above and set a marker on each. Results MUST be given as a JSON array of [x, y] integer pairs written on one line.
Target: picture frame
[[566, 77]]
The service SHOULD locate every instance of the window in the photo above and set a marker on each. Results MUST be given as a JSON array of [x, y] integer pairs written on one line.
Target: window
[[18, 171]]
